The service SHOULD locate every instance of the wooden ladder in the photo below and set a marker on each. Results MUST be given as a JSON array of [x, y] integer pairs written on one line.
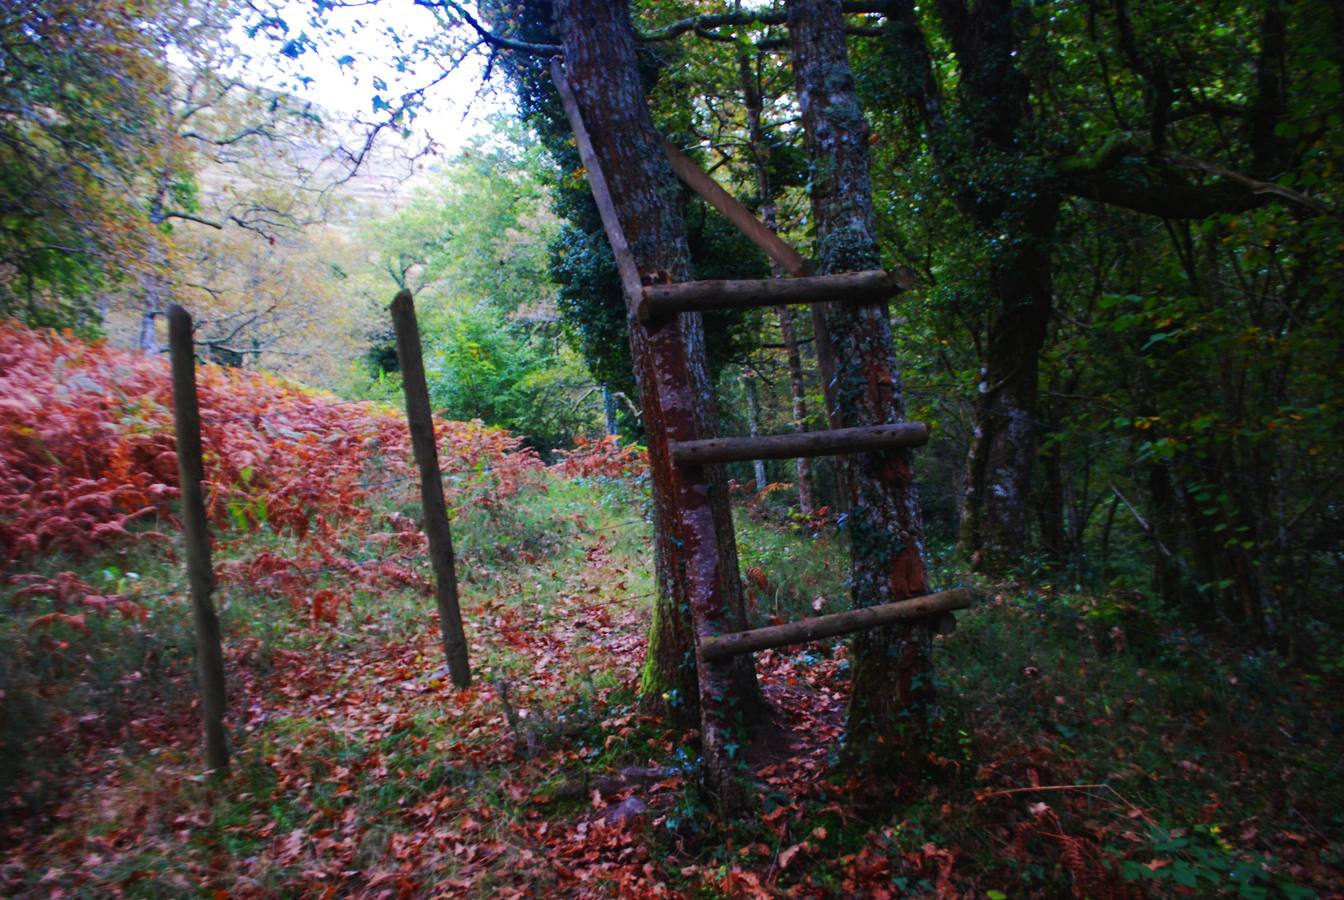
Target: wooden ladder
[[674, 440]]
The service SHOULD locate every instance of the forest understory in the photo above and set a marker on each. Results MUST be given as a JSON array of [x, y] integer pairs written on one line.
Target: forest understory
[[1087, 745], [1068, 272]]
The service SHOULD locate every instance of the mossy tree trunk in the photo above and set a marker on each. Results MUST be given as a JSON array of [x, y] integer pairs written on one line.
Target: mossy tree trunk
[[601, 68], [893, 684], [994, 519]]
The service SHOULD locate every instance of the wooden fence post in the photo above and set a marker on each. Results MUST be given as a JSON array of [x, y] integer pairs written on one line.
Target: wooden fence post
[[440, 536], [187, 419]]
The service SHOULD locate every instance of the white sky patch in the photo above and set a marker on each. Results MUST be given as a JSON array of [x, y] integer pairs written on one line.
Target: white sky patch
[[355, 59]]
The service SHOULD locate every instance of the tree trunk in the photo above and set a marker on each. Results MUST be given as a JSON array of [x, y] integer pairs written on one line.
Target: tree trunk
[[1166, 580], [158, 292], [891, 665], [754, 423], [1003, 447], [1106, 540], [149, 318], [985, 153], [807, 504], [608, 411], [601, 67], [749, 700], [155, 303], [760, 155], [1050, 508]]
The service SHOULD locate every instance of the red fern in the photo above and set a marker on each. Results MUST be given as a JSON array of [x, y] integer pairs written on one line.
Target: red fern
[[88, 463]]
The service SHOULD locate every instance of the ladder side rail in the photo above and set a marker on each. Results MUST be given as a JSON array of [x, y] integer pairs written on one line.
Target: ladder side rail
[[775, 247]]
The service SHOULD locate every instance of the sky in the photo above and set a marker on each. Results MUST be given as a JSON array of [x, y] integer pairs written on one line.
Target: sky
[[345, 65]]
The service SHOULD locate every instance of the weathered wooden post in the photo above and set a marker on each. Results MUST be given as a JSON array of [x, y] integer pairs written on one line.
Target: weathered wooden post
[[437, 530], [187, 419]]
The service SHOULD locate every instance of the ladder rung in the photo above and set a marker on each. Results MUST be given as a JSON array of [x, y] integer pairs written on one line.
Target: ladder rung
[[725, 646], [698, 296], [806, 443]]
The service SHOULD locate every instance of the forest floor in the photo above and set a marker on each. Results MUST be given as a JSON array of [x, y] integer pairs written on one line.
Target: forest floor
[[1087, 747]]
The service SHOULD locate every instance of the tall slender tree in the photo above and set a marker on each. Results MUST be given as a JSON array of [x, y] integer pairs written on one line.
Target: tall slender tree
[[892, 667], [749, 67]]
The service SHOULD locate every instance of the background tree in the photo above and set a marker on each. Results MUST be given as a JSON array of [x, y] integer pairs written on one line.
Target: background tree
[[132, 180], [1187, 174], [987, 147], [243, 159], [474, 244], [591, 302], [79, 128]]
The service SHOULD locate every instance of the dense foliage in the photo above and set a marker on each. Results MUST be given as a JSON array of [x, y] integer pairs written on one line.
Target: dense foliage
[[1128, 248], [80, 124], [588, 292], [473, 246], [1127, 227], [1159, 172]]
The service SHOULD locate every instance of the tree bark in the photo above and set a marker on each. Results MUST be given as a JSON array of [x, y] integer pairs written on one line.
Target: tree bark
[[149, 318], [891, 665], [754, 423], [989, 163], [1003, 446], [601, 68], [158, 293], [608, 411]]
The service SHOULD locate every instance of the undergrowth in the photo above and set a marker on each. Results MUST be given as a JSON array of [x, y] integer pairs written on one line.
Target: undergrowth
[[1086, 745]]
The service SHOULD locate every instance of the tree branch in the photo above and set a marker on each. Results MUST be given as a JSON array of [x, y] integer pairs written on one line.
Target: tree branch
[[1152, 536], [189, 217], [1155, 185], [702, 23], [254, 131], [492, 38], [1255, 186]]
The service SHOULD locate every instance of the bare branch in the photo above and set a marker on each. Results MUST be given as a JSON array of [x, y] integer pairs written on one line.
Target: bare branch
[[189, 217], [703, 25], [255, 131]]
